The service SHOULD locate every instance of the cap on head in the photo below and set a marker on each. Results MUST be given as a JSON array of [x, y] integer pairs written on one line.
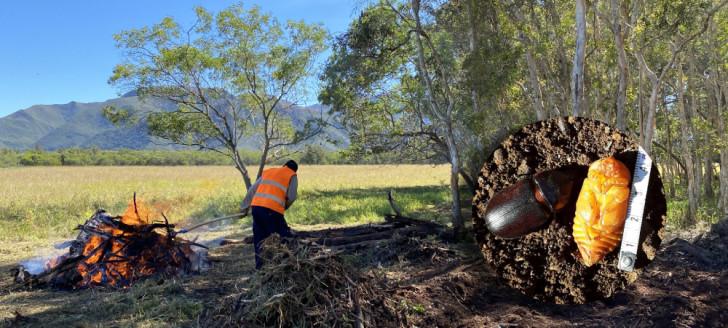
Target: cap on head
[[292, 165]]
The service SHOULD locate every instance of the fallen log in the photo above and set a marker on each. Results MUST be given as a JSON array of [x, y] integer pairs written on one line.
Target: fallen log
[[406, 231], [396, 224], [345, 231]]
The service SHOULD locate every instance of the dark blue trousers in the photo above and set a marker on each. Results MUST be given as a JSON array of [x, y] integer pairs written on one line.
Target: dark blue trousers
[[265, 223]]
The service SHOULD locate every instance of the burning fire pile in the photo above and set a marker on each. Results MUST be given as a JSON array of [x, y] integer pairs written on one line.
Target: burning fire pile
[[117, 251]]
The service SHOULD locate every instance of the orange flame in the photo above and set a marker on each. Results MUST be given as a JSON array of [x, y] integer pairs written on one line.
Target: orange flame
[[116, 257], [137, 213]]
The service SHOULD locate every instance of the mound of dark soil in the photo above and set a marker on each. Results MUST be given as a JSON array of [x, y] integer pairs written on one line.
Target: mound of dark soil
[[545, 264]]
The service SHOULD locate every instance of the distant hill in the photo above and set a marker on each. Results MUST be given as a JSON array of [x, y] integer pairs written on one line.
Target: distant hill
[[82, 125]]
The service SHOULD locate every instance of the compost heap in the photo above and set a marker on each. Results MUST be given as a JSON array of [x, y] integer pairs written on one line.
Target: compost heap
[[546, 264], [116, 252]]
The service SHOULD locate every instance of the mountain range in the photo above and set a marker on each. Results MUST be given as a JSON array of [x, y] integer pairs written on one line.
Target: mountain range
[[82, 125]]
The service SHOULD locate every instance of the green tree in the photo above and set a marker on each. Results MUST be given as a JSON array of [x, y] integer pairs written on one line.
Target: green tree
[[231, 75], [314, 154], [409, 78]]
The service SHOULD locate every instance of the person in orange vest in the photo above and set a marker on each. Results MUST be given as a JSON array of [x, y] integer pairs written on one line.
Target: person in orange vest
[[268, 199]]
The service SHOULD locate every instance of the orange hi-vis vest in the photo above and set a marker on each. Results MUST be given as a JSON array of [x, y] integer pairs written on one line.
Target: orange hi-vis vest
[[271, 192]]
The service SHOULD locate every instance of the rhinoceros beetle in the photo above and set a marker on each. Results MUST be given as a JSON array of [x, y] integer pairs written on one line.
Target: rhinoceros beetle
[[528, 204]]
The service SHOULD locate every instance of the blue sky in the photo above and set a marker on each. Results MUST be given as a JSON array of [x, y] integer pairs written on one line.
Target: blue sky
[[57, 51]]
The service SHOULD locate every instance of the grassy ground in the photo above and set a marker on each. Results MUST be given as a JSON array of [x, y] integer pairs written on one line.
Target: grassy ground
[[42, 205]]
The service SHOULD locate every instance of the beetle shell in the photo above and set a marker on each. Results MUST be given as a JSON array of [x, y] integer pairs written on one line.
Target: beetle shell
[[601, 209], [527, 205]]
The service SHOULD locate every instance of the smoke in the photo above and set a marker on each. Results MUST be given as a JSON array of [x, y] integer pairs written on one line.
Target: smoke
[[42, 262]]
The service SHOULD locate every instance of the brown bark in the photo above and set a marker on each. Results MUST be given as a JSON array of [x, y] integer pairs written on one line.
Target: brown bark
[[687, 150], [708, 177], [720, 96]]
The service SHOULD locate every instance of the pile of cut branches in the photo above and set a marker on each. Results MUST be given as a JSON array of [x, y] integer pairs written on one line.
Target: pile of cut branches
[[301, 284]]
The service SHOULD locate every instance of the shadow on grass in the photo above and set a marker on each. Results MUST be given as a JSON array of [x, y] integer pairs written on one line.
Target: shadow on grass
[[350, 206], [178, 301], [154, 302]]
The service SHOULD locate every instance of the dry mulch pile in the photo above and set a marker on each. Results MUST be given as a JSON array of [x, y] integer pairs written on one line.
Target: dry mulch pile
[[303, 284], [431, 283]]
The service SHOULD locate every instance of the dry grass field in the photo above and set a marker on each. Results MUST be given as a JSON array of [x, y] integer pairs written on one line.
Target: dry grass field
[[40, 206]]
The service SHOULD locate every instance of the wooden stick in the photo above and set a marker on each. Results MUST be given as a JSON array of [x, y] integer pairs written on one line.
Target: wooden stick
[[186, 230]]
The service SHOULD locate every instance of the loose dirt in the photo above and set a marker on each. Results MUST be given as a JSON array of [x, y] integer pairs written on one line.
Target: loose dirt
[[545, 264], [418, 282], [685, 286]]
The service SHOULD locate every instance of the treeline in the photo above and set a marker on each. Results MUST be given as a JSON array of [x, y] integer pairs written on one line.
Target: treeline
[[312, 154], [451, 78], [95, 157]]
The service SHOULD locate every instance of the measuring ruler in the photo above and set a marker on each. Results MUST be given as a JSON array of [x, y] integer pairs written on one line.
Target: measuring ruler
[[635, 211]]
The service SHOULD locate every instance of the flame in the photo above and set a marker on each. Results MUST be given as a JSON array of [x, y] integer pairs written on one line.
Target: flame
[[116, 257], [136, 213]]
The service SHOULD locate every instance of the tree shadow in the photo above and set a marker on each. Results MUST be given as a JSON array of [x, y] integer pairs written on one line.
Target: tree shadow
[[156, 301]]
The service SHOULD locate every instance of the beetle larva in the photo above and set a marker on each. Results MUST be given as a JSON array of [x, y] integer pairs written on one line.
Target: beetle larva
[[601, 209]]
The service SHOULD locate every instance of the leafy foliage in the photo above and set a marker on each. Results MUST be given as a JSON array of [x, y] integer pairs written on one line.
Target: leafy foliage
[[231, 76]]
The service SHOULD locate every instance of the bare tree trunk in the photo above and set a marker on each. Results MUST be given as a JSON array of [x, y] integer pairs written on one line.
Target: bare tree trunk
[[648, 130], [578, 100], [656, 80], [563, 77], [445, 116], [708, 178], [473, 43], [687, 151], [263, 158], [457, 216], [622, 65], [672, 176], [720, 94], [240, 166], [535, 91]]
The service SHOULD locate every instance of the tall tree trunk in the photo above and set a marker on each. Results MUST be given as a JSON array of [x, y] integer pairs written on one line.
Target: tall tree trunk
[[621, 64], [648, 122], [445, 116], [720, 95], [535, 92], [708, 178], [563, 79], [535, 86], [671, 176], [687, 150], [578, 99], [457, 215], [473, 45]]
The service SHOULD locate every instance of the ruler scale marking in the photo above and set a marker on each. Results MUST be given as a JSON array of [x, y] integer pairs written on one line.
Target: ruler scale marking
[[635, 211]]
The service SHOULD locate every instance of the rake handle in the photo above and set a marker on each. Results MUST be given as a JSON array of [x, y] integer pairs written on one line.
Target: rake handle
[[186, 230]]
